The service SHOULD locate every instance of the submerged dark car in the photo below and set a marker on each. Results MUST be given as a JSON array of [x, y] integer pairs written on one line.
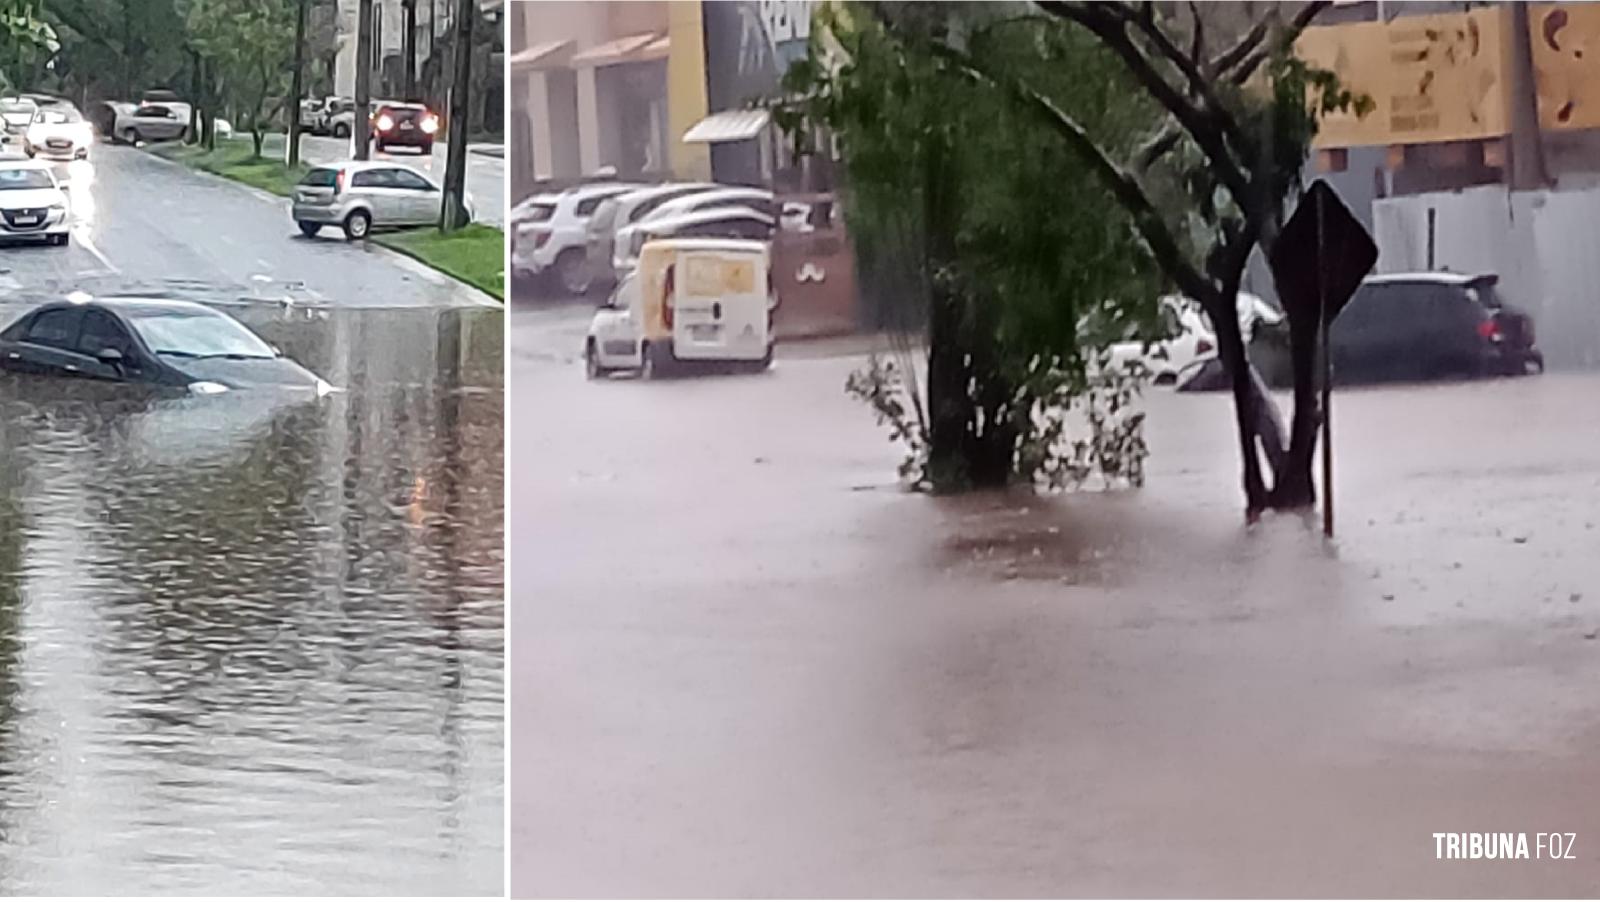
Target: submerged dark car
[[1411, 326], [179, 344]]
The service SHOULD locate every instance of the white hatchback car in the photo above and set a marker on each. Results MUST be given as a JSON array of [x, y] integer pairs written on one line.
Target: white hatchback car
[[549, 231], [32, 203], [359, 196]]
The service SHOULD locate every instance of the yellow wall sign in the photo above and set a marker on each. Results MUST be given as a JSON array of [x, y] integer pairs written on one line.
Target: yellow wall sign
[[709, 277], [1431, 78], [1566, 63]]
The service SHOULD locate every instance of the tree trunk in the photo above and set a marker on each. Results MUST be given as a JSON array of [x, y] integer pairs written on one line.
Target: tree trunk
[[1230, 349], [361, 134], [408, 45], [257, 136], [453, 212], [297, 82], [1293, 486]]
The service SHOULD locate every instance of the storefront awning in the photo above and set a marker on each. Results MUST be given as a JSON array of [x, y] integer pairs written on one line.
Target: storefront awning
[[548, 55], [728, 125], [636, 48]]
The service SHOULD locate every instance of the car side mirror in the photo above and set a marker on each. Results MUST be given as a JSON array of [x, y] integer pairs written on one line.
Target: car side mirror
[[276, 351], [111, 356]]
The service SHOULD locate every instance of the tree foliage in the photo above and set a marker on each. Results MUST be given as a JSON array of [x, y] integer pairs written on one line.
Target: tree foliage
[[117, 48], [984, 235], [27, 43], [250, 44]]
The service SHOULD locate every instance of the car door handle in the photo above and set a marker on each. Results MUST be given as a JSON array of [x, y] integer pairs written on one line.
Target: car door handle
[[71, 368]]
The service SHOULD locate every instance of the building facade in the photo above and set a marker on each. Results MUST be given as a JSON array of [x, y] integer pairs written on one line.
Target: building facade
[[605, 88]]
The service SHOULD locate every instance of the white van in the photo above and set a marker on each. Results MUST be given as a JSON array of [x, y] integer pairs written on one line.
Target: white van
[[690, 301]]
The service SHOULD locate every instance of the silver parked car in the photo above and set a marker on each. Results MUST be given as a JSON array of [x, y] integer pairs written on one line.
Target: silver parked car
[[359, 196]]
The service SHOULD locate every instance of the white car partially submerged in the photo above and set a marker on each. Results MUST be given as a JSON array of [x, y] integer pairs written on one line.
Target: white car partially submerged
[[1189, 339]]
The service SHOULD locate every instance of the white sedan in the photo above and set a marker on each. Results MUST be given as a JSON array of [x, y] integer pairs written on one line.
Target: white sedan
[[59, 132], [32, 204]]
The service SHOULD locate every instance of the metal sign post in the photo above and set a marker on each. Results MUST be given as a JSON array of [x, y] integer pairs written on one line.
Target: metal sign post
[[1325, 326]]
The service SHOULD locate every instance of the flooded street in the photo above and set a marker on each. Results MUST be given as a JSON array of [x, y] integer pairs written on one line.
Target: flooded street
[[253, 642], [747, 664]]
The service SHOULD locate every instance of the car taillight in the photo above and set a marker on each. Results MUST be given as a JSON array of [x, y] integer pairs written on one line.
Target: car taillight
[[430, 124], [385, 122], [1489, 329], [1203, 347], [667, 286], [338, 182]]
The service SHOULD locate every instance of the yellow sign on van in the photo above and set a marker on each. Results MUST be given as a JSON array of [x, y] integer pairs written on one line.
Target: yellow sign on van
[[710, 277]]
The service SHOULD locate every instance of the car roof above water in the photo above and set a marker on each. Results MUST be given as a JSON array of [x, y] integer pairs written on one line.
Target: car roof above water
[[1431, 278]]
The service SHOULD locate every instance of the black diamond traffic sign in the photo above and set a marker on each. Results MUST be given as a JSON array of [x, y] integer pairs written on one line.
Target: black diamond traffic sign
[[1320, 257]]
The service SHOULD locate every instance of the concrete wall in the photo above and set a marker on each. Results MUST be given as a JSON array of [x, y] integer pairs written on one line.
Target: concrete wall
[[1540, 243]]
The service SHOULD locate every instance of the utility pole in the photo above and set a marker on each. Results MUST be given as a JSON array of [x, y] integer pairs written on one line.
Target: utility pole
[[361, 133], [297, 84], [408, 45], [453, 212], [1527, 143]]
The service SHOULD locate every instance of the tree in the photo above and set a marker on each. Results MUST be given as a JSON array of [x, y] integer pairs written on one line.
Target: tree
[[249, 43], [963, 214], [1237, 128]]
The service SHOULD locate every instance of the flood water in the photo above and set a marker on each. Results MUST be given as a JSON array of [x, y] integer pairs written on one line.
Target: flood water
[[252, 644]]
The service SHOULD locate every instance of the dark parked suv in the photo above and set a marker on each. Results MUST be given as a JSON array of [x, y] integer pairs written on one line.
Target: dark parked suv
[[1428, 325], [1405, 327]]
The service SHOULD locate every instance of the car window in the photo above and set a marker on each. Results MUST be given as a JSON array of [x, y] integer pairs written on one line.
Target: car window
[[25, 179], [57, 117], [100, 331], [55, 328], [604, 216], [321, 178], [586, 206], [536, 213], [405, 178], [153, 112], [373, 178]]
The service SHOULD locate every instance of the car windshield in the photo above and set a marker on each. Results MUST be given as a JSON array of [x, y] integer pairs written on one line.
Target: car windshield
[[186, 334], [57, 117], [24, 179]]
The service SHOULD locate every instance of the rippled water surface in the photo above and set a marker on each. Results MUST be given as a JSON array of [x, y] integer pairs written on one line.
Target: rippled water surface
[[251, 644]]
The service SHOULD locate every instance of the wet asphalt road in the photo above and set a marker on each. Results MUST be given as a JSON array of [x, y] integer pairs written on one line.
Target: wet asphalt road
[[146, 224], [745, 664]]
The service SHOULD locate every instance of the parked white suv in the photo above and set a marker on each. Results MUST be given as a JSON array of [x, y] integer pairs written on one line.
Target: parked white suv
[[548, 233]]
